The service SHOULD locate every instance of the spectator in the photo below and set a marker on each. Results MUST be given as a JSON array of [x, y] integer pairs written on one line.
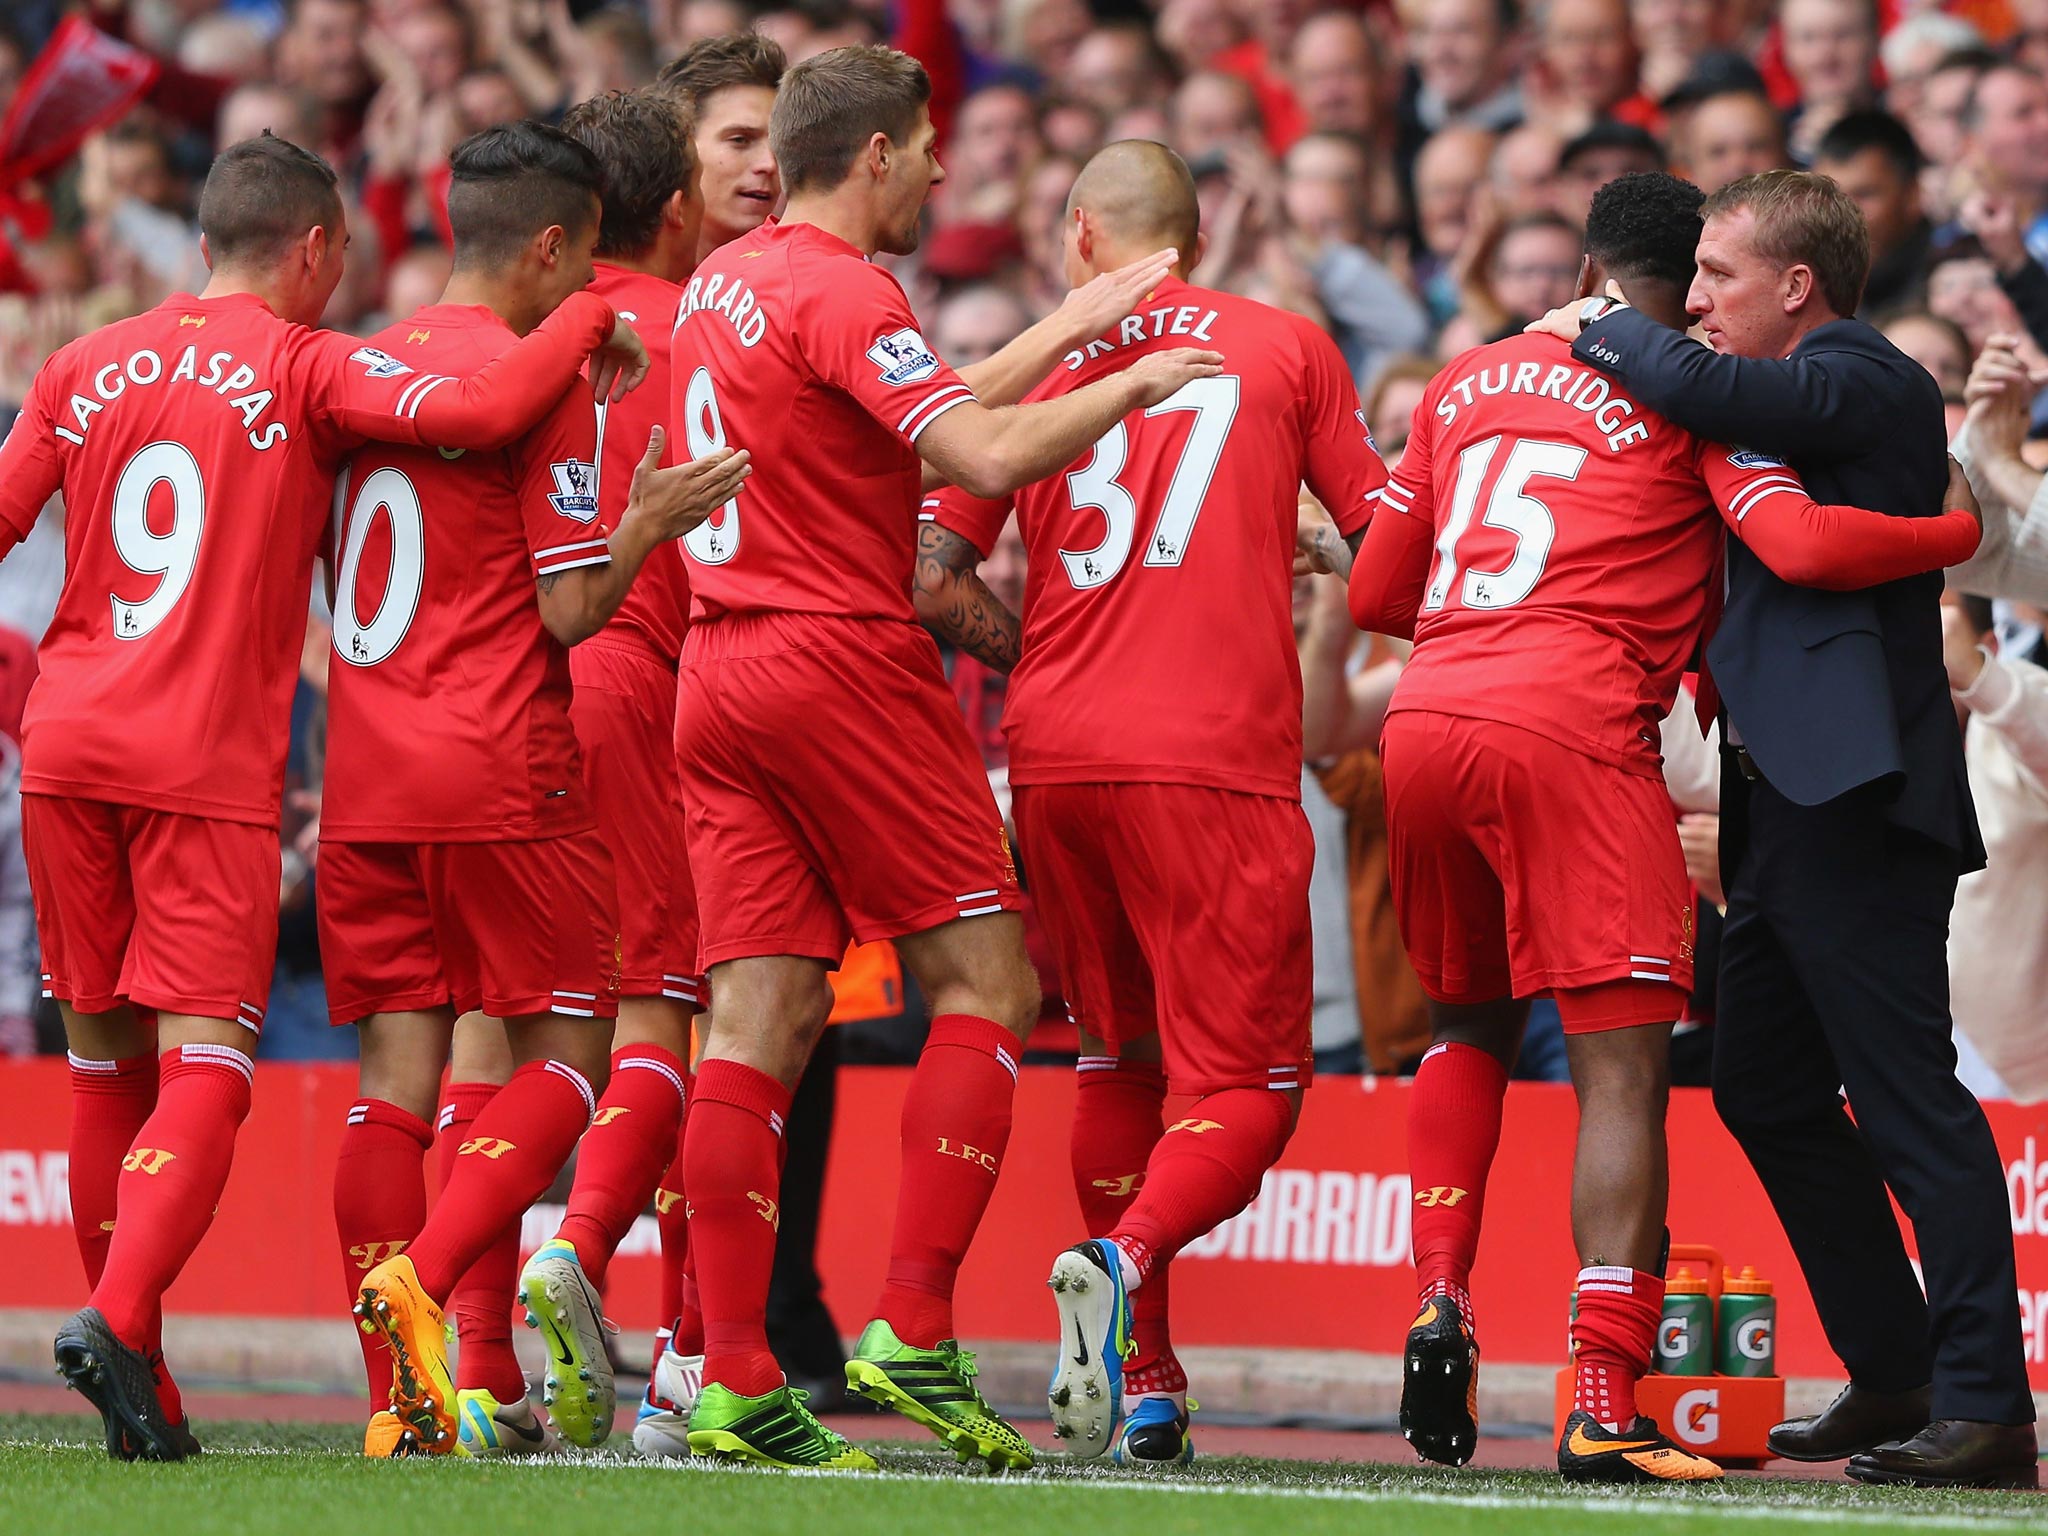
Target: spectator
[[1998, 938], [1831, 54], [1211, 113], [1586, 63], [2005, 146], [1337, 76], [1730, 135], [1874, 159], [1914, 50], [1535, 268], [259, 107], [321, 52], [1936, 344], [1604, 151], [1462, 61], [1523, 175], [975, 324], [1671, 37], [1194, 33], [1118, 67], [1449, 174], [1936, 119]]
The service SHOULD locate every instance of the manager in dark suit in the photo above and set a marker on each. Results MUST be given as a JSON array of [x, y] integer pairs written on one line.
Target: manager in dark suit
[[1846, 819]]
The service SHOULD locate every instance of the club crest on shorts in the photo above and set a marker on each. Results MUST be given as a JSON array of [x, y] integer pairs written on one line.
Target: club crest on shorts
[[575, 493], [1749, 458], [903, 357], [378, 365]]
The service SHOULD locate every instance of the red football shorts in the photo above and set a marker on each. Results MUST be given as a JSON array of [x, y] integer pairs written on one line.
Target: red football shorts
[[155, 908], [1521, 867], [830, 787], [624, 712], [511, 928], [1181, 909]]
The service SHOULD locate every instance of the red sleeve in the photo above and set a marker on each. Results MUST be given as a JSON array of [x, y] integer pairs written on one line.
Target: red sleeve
[[31, 469], [925, 33], [1834, 548], [371, 395], [1391, 570], [977, 520], [557, 480], [1344, 468], [860, 336]]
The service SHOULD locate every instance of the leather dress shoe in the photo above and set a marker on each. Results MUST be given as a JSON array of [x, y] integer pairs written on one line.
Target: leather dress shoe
[[1956, 1453], [1857, 1420]]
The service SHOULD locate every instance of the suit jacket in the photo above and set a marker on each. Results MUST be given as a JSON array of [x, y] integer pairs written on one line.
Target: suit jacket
[[1829, 691]]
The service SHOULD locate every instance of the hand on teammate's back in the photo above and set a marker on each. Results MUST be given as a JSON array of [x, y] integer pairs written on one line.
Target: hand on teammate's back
[[1160, 374], [617, 367], [680, 498], [1108, 297]]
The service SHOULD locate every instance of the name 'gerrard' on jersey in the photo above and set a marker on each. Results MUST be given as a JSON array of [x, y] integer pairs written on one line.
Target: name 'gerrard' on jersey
[[792, 345]]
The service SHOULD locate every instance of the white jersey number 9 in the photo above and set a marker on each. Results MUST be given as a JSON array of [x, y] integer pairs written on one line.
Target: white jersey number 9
[[169, 555], [717, 539], [364, 645]]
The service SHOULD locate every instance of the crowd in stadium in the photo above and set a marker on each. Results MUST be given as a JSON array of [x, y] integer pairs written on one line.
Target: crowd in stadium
[[1412, 177]]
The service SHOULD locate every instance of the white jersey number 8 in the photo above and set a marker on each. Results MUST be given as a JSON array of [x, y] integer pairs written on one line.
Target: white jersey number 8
[[364, 645], [169, 555], [717, 539]]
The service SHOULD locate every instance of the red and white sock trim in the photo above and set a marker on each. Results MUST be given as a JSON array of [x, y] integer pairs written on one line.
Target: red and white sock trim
[[582, 1084], [218, 1056], [653, 1065]]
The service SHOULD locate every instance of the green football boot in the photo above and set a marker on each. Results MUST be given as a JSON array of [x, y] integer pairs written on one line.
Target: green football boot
[[935, 1388], [772, 1430]]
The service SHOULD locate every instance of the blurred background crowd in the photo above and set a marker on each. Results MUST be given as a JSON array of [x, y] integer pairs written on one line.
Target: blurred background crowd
[[1411, 173]]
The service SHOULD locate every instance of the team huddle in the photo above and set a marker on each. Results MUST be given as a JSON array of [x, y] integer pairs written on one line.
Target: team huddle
[[627, 542]]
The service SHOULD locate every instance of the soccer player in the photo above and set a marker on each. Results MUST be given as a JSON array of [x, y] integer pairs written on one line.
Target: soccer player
[[724, 88], [195, 446], [1550, 545], [460, 862], [1165, 554], [831, 784]]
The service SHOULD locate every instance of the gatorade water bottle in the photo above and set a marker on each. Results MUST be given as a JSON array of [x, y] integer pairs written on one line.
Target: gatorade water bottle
[[1749, 1325], [1685, 1337]]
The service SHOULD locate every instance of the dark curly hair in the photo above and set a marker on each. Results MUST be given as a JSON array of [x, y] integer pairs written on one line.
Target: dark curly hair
[[1646, 224], [646, 160]]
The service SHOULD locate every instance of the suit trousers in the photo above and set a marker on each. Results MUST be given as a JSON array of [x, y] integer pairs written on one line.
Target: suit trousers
[[1834, 979]]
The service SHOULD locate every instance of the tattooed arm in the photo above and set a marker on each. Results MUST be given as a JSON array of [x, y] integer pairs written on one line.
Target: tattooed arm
[[1319, 549], [954, 602]]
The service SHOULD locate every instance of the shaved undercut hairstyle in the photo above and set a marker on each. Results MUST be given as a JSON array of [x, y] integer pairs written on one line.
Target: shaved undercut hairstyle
[[646, 159], [1138, 190], [512, 182], [832, 104], [1646, 225], [260, 198]]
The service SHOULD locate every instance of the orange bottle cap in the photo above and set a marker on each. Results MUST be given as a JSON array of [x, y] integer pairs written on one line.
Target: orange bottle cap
[[1746, 1284], [1684, 1283]]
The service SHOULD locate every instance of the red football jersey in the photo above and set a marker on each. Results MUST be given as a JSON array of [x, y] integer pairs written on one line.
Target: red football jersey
[[794, 346], [1577, 541], [448, 700], [196, 446], [656, 609], [1158, 609]]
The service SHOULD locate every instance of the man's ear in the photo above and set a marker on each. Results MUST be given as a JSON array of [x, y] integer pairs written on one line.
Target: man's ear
[[1798, 287], [1201, 250], [676, 211], [548, 245], [1591, 278], [205, 254], [879, 151]]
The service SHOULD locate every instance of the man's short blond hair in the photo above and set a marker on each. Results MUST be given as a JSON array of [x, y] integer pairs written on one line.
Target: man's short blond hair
[[833, 103], [1803, 218]]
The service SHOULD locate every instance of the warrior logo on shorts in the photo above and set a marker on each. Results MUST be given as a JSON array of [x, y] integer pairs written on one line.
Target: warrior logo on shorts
[[378, 365], [1685, 932], [903, 358], [575, 493]]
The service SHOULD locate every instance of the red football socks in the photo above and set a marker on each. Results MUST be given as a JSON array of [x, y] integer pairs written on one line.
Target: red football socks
[[1206, 1168], [1612, 1336], [1116, 1125], [732, 1151], [380, 1204], [622, 1156], [171, 1180], [110, 1101], [1454, 1110], [672, 1217], [513, 1152], [956, 1123]]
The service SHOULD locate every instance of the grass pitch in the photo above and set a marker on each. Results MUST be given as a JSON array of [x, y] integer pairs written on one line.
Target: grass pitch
[[310, 1480]]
